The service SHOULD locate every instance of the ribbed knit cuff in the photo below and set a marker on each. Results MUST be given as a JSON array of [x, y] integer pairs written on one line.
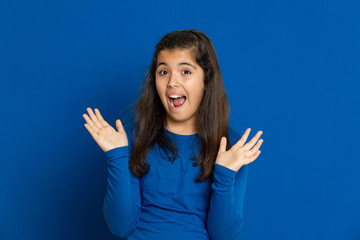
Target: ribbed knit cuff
[[223, 175], [116, 153]]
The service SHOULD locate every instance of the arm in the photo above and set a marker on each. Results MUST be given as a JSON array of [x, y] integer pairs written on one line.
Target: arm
[[225, 215], [122, 204]]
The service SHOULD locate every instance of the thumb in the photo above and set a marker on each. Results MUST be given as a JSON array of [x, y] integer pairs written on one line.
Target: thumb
[[119, 126], [222, 147]]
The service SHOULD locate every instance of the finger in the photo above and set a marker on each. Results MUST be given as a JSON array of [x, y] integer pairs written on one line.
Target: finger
[[91, 131], [119, 126], [255, 148], [101, 119], [251, 159], [252, 142], [243, 139], [222, 147], [91, 123], [94, 118]]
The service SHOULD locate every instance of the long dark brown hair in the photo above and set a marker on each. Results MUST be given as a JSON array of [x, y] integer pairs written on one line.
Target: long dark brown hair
[[211, 118]]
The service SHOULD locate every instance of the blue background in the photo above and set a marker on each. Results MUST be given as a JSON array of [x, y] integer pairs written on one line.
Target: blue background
[[291, 69]]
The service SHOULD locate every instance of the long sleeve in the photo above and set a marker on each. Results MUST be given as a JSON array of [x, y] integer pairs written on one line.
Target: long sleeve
[[122, 203], [225, 214]]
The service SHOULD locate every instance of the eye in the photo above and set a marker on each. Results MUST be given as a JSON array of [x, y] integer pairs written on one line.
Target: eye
[[163, 72], [186, 72]]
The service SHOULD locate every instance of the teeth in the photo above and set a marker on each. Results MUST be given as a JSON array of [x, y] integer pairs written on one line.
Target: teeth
[[174, 96]]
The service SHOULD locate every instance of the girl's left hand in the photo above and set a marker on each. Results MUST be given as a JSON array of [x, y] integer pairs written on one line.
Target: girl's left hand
[[239, 154]]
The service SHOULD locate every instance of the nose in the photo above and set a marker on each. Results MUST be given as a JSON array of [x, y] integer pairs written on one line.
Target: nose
[[173, 81]]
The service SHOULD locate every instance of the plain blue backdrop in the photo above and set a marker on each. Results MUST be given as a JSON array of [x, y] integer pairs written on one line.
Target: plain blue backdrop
[[291, 69]]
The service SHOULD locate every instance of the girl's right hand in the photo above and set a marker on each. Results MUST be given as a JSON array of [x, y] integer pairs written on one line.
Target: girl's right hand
[[105, 135]]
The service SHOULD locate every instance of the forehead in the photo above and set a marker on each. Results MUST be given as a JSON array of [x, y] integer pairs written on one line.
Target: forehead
[[175, 56]]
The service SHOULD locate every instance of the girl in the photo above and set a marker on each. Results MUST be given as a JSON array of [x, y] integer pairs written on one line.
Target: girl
[[179, 171]]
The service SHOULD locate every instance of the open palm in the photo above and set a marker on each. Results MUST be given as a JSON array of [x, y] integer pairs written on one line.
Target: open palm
[[239, 154], [104, 134]]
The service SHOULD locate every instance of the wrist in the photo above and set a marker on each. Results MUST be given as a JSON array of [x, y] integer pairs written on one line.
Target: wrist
[[117, 152]]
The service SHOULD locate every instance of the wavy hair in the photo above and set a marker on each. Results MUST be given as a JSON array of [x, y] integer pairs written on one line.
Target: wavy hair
[[211, 119]]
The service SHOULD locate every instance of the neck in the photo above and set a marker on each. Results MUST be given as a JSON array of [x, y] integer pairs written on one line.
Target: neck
[[180, 128]]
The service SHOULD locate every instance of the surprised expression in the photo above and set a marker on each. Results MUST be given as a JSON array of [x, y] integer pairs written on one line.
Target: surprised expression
[[180, 84]]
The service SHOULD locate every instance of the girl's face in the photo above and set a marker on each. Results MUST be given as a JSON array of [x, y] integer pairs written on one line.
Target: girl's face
[[180, 85]]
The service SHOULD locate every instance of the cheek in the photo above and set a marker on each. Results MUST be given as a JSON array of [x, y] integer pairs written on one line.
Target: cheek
[[197, 97], [160, 89], [199, 92]]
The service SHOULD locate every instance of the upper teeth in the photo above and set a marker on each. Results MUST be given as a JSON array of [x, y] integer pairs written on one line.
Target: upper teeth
[[175, 96]]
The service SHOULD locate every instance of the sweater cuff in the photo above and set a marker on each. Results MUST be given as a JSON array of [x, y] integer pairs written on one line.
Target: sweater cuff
[[118, 152], [224, 175]]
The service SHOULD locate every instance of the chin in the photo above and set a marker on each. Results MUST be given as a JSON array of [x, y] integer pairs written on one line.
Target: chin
[[180, 118]]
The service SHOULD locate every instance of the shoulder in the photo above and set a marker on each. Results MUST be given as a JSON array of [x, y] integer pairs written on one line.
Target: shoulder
[[234, 136]]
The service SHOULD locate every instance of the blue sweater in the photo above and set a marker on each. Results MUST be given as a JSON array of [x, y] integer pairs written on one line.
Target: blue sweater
[[167, 203]]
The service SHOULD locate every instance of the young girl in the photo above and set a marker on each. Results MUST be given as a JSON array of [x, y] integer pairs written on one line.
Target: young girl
[[179, 171]]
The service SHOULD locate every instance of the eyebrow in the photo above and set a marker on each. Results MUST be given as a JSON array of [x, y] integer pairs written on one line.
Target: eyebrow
[[182, 63]]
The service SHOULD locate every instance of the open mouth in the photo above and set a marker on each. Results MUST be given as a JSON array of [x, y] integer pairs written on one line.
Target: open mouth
[[176, 101]]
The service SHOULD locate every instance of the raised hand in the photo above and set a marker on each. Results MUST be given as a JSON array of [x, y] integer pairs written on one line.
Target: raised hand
[[104, 134], [239, 154]]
